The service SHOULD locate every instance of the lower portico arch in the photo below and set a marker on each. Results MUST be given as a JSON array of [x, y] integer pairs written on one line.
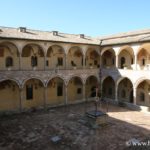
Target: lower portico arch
[[75, 89], [55, 91], [33, 94], [90, 86], [108, 88], [125, 90], [9, 95]]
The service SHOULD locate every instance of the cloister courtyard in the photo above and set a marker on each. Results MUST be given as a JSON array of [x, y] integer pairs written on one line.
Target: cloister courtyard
[[35, 130]]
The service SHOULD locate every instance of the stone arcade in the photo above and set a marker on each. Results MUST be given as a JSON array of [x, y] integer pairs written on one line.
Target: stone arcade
[[42, 69]]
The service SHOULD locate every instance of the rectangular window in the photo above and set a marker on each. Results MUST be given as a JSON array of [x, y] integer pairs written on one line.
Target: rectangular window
[[60, 61], [60, 90], [47, 63], [29, 92], [79, 91], [95, 62]]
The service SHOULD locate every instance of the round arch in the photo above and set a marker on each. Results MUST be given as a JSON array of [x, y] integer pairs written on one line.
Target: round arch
[[103, 79], [47, 82], [75, 89], [75, 57], [10, 43], [91, 76], [56, 91], [140, 80], [108, 88], [126, 47], [77, 48], [75, 76], [56, 45], [9, 95], [11, 79], [145, 46], [122, 78], [91, 85], [107, 49], [33, 93], [125, 90], [34, 78], [30, 45]]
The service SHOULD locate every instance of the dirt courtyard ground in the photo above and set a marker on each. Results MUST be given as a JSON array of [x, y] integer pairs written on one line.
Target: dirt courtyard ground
[[34, 131]]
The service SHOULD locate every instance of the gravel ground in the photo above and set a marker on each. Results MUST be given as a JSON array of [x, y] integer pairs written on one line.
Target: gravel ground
[[34, 130]]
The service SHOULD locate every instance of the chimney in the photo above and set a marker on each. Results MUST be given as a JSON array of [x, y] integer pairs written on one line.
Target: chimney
[[55, 33], [22, 29], [82, 36]]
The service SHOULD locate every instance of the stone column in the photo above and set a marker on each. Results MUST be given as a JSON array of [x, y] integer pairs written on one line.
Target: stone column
[[116, 93], [117, 61], [44, 62], [84, 92], [66, 94], [45, 97], [20, 62], [134, 95], [66, 61], [84, 62], [21, 99], [135, 61]]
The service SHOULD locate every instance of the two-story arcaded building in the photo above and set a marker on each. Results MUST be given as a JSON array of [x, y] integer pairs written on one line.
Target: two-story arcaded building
[[42, 69]]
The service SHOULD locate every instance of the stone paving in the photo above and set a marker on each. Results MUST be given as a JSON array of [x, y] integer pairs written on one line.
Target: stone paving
[[34, 130]]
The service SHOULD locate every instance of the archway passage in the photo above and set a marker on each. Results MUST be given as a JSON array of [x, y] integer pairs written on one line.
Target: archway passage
[[90, 87], [108, 59], [9, 56], [55, 57], [9, 96], [75, 58], [126, 58], [55, 92], [108, 88], [143, 61], [75, 90], [32, 57], [125, 91], [33, 94], [92, 59], [143, 93]]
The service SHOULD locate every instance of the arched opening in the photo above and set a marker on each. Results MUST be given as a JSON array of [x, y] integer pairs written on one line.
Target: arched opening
[[55, 92], [75, 90], [143, 61], [75, 58], [143, 93], [126, 57], [9, 56], [108, 59], [9, 96], [92, 59], [125, 91], [90, 87], [108, 88], [33, 93], [55, 57], [32, 57], [9, 62]]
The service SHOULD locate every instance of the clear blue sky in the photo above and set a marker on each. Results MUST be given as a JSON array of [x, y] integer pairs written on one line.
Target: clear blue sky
[[91, 17]]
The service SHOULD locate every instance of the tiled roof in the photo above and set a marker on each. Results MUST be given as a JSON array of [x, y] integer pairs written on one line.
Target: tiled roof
[[121, 38], [126, 37], [7, 32]]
